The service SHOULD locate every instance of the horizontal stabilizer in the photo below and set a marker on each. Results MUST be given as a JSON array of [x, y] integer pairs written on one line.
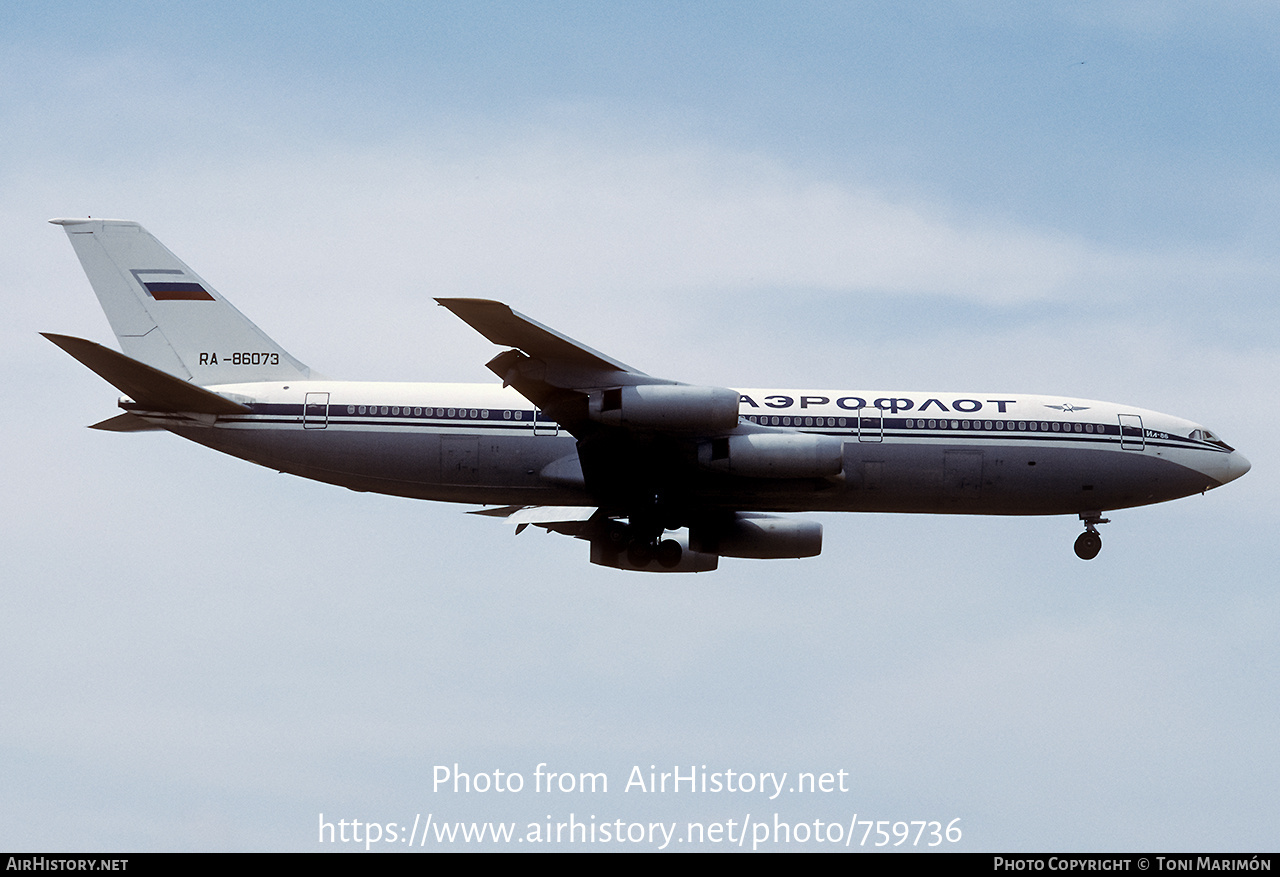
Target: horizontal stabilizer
[[149, 387], [126, 423]]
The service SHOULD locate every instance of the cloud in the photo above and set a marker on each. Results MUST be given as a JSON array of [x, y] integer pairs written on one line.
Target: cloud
[[569, 217]]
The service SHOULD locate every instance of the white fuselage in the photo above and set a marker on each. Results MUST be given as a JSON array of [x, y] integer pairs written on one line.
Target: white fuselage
[[968, 453]]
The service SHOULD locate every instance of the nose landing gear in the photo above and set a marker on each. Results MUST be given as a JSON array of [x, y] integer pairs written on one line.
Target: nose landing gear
[[1089, 543]]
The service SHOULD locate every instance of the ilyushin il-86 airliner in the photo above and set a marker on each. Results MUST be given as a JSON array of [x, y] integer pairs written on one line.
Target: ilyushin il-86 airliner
[[656, 475]]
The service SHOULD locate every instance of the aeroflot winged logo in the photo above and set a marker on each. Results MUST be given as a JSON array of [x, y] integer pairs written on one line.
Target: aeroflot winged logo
[[657, 475]]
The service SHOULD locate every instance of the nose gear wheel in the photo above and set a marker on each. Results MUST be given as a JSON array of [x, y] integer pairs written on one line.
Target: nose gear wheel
[[1089, 543]]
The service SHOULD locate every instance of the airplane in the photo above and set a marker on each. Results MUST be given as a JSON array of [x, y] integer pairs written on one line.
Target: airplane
[[656, 475]]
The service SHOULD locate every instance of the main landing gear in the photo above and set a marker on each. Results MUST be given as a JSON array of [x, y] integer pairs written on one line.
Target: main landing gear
[[643, 545], [666, 551], [1089, 543]]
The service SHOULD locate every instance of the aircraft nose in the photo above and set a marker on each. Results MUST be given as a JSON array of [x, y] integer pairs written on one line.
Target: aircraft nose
[[1236, 466], [1229, 467]]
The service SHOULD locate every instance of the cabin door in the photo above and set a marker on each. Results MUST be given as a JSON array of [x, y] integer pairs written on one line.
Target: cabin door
[[315, 411], [1132, 437]]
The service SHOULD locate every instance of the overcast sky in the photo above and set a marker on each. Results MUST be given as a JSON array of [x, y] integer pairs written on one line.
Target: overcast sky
[[1077, 199]]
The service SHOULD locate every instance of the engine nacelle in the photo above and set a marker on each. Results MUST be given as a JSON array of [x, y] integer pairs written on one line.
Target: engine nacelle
[[666, 406], [774, 455], [759, 536]]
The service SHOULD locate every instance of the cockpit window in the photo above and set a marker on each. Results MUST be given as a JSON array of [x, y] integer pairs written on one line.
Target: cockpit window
[[1204, 435]]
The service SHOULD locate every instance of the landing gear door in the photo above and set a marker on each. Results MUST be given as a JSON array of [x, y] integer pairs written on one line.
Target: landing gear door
[[315, 411], [1132, 437]]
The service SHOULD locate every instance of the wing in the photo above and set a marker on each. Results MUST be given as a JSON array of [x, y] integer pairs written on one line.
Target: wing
[[637, 434], [507, 328], [587, 392], [662, 454]]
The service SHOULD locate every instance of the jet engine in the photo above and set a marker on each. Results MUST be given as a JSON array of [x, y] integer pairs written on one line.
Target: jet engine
[[747, 534], [774, 455], [676, 407]]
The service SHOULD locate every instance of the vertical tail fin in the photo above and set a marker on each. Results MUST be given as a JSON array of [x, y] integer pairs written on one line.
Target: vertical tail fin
[[165, 315]]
